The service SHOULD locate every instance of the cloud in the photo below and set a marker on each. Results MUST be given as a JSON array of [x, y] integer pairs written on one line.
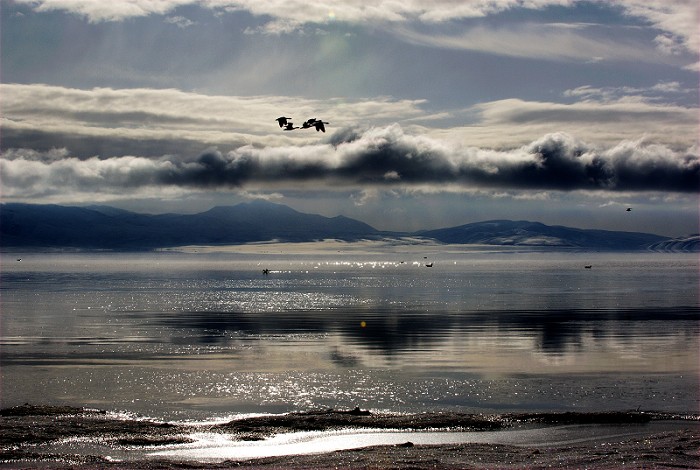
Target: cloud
[[604, 117], [113, 10], [627, 111], [365, 196], [554, 162], [676, 19], [662, 91], [110, 122], [145, 139], [298, 11], [179, 21], [142, 121], [551, 42]]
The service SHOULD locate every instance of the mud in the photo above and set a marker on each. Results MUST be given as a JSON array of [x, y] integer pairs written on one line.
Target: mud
[[29, 434]]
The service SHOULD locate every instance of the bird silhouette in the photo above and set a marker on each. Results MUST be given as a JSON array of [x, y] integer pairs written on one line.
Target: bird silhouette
[[319, 125], [629, 209], [289, 127], [309, 123], [282, 121]]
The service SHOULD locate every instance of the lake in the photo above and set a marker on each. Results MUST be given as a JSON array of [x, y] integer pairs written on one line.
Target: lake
[[204, 334]]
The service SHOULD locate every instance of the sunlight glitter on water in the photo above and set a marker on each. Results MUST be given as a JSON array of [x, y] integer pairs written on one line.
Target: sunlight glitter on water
[[210, 447], [207, 334]]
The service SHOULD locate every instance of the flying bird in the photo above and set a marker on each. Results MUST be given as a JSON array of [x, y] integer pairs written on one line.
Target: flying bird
[[629, 209], [282, 121], [319, 125], [308, 123], [287, 125]]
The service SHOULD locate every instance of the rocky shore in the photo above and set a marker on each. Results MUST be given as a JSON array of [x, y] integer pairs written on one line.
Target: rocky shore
[[31, 435]]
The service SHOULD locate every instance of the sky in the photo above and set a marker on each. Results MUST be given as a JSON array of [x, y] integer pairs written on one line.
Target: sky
[[439, 113]]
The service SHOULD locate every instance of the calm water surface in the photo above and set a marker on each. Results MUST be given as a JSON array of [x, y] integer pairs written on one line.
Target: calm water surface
[[207, 335]]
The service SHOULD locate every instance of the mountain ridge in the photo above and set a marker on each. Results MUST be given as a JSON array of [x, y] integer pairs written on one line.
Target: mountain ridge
[[527, 233], [105, 227]]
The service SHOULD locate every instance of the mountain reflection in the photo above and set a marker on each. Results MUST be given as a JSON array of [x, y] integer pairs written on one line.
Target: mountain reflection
[[391, 331]]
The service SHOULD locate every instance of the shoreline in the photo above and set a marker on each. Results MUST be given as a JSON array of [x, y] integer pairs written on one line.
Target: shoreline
[[36, 436]]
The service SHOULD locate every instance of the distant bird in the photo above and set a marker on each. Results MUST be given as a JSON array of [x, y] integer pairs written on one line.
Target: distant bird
[[282, 121], [588, 266], [629, 209], [429, 265], [309, 123], [289, 127], [319, 125]]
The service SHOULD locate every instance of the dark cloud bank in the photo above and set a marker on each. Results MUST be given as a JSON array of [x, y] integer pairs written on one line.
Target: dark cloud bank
[[388, 157], [555, 162]]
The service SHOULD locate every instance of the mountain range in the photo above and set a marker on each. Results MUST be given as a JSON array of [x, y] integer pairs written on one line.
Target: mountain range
[[102, 227]]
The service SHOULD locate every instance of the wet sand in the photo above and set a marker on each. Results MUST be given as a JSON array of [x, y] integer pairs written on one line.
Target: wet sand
[[66, 437]]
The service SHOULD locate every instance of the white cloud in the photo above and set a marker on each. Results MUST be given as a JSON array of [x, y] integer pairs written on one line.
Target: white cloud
[[149, 115], [512, 122], [111, 122], [179, 21], [299, 11], [539, 41], [365, 196], [112, 10], [653, 96], [668, 44], [667, 87], [678, 19]]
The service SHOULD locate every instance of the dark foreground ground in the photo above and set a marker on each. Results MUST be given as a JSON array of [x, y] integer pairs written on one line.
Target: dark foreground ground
[[28, 434]]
